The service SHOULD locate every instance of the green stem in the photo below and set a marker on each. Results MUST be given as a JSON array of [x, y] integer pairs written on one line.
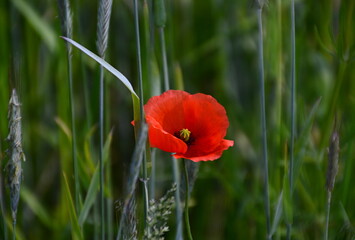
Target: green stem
[[72, 117], [141, 100], [263, 122], [14, 230], [329, 197], [101, 127], [174, 161], [3, 213], [293, 105], [164, 59], [187, 221]]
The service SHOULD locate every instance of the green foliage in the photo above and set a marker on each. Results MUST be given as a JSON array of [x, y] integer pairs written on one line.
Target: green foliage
[[211, 48]]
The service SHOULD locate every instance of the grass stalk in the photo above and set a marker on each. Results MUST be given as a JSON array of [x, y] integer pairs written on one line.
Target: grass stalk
[[136, 162], [2, 203], [293, 107], [329, 198], [263, 120], [333, 166], [103, 25], [176, 170], [72, 117], [160, 21], [66, 23], [101, 146], [141, 100], [164, 59], [187, 221]]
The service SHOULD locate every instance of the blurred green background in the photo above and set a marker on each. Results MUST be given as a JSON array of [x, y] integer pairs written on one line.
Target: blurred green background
[[212, 47]]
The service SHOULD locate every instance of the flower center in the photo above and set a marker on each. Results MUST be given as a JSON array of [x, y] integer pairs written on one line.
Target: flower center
[[184, 134]]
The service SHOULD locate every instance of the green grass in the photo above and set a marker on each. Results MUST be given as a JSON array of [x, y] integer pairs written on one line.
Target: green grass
[[211, 47]]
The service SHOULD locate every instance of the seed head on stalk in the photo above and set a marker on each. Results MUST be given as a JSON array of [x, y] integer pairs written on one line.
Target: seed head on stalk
[[15, 153]]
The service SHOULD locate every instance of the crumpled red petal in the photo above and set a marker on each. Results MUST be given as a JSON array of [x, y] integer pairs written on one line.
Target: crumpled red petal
[[215, 154], [163, 140]]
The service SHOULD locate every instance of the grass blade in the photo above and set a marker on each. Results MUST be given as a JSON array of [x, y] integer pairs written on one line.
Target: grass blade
[[94, 185], [263, 120], [36, 207], [277, 215], [39, 25], [103, 63], [76, 231], [136, 162]]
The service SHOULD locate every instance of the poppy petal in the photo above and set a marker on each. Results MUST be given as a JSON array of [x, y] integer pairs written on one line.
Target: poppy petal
[[207, 120], [167, 110], [163, 140], [215, 154]]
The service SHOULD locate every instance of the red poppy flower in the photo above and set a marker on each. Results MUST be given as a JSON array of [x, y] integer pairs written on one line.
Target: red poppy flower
[[189, 126]]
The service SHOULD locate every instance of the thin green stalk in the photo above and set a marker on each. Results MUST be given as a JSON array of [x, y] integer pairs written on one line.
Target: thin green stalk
[[2, 209], [164, 58], [103, 26], [141, 99], [135, 165], [329, 198], [176, 170], [187, 221], [72, 117], [66, 22], [101, 146], [293, 106], [263, 122], [14, 230]]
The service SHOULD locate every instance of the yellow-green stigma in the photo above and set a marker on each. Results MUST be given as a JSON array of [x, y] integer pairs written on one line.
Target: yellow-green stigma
[[185, 134]]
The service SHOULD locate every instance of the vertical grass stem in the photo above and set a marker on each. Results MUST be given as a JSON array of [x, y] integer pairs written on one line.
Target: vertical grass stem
[[101, 140], [263, 122], [141, 99], [329, 198], [176, 171], [293, 106]]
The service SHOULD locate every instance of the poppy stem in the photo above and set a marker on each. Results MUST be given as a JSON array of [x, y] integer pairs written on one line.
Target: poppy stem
[[187, 221]]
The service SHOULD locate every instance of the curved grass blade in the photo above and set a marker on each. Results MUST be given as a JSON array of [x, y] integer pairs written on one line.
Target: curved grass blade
[[76, 231], [94, 185], [278, 214], [38, 24], [36, 207], [103, 63]]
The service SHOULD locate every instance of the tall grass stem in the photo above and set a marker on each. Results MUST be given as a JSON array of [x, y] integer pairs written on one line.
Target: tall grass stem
[[101, 146], [103, 26], [141, 100], [176, 171], [329, 198], [135, 165], [67, 26], [263, 122], [2, 204], [293, 107], [164, 59], [72, 117]]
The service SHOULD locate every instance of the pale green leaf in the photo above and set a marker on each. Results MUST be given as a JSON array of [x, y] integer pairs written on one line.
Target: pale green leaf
[[103, 63]]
